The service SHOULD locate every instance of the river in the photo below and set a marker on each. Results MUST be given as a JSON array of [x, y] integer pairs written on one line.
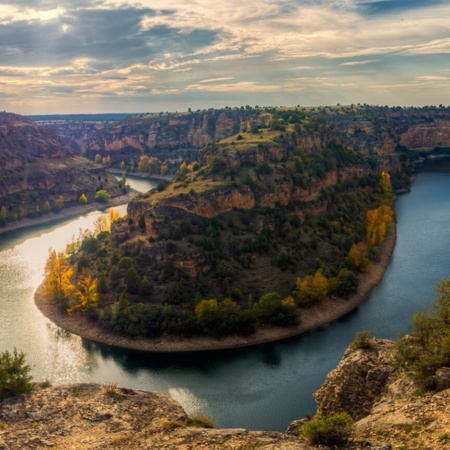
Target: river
[[262, 388]]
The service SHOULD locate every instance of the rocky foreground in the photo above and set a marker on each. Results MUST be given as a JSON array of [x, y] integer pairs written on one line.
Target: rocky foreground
[[389, 413]]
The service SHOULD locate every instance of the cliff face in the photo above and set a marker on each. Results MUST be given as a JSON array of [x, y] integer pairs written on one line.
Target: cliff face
[[36, 166], [175, 137], [384, 400], [89, 416]]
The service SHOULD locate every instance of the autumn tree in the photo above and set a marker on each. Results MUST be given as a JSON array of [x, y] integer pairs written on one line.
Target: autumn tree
[[86, 293], [58, 274], [122, 165], [59, 202], [164, 170], [311, 289], [206, 313], [106, 161], [379, 221], [359, 256], [98, 158], [46, 206], [83, 199]]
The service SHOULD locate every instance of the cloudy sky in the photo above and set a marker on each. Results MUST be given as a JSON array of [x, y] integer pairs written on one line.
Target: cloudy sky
[[71, 56]]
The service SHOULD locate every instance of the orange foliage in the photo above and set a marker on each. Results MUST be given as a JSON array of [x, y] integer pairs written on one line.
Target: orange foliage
[[378, 223]]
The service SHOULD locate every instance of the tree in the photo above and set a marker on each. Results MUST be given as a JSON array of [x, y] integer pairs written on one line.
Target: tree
[[145, 287], [83, 199], [46, 206], [86, 294], [122, 165], [207, 313], [98, 159], [58, 273], [164, 169], [132, 280], [106, 162], [14, 375], [59, 202], [3, 213], [311, 289], [379, 221], [359, 256], [102, 196], [103, 286]]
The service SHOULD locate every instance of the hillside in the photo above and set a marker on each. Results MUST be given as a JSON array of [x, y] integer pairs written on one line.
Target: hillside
[[265, 225], [173, 137], [39, 173]]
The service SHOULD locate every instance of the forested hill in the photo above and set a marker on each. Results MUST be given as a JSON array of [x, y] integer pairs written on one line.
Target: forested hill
[[40, 174], [266, 223], [168, 137]]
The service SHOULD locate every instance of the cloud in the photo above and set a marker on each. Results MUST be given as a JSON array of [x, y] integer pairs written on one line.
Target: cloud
[[210, 80], [358, 63], [242, 86]]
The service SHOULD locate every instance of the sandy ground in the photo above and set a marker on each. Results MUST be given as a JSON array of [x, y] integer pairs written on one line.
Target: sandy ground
[[314, 317]]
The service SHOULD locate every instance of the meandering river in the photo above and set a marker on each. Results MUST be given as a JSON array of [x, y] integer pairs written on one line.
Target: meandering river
[[261, 388]]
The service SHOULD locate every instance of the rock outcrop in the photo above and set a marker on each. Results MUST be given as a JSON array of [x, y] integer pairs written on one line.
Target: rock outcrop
[[36, 166], [385, 401], [91, 416]]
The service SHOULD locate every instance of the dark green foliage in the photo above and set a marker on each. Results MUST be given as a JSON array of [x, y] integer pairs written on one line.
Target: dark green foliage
[[145, 288], [333, 430], [345, 284], [103, 286], [363, 340], [90, 244], [428, 347], [14, 375], [83, 263], [125, 263], [132, 280]]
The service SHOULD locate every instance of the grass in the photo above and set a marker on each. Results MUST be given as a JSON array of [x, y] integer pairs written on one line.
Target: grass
[[201, 421]]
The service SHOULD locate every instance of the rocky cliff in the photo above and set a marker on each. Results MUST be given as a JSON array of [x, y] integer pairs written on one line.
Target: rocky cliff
[[174, 137], [386, 402], [388, 411], [36, 166]]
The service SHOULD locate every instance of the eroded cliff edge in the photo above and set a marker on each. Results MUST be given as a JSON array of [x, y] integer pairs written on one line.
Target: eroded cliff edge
[[366, 383]]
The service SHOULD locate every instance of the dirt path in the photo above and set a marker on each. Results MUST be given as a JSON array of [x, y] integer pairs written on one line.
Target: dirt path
[[317, 316]]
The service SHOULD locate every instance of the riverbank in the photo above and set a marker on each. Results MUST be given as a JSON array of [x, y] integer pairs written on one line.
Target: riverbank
[[141, 175], [316, 316], [67, 213]]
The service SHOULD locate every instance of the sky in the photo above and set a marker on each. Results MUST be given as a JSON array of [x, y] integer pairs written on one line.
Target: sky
[[93, 56]]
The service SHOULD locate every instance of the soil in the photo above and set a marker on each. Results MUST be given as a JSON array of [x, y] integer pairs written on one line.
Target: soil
[[318, 316]]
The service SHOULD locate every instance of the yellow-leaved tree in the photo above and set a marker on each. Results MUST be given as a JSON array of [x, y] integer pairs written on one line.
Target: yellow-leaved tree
[[86, 293], [379, 221], [58, 278], [311, 289], [359, 256]]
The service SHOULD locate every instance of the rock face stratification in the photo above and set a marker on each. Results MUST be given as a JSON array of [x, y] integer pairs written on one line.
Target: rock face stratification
[[36, 166]]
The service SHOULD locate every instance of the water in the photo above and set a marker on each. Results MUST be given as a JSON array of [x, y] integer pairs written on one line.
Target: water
[[261, 388]]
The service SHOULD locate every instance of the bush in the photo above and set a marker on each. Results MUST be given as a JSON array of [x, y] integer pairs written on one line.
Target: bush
[[14, 375], [362, 340], [102, 196], [333, 430]]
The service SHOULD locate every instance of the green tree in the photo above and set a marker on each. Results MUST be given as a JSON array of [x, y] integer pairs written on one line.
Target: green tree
[[103, 286], [132, 280], [145, 287], [15, 376], [102, 196]]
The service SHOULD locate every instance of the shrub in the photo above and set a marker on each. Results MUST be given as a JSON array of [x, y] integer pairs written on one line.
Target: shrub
[[14, 375], [102, 196], [333, 430], [201, 420], [362, 340]]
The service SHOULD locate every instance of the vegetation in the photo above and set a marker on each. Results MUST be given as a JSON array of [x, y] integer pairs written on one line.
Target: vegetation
[[304, 222], [428, 347], [333, 430], [15, 376]]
